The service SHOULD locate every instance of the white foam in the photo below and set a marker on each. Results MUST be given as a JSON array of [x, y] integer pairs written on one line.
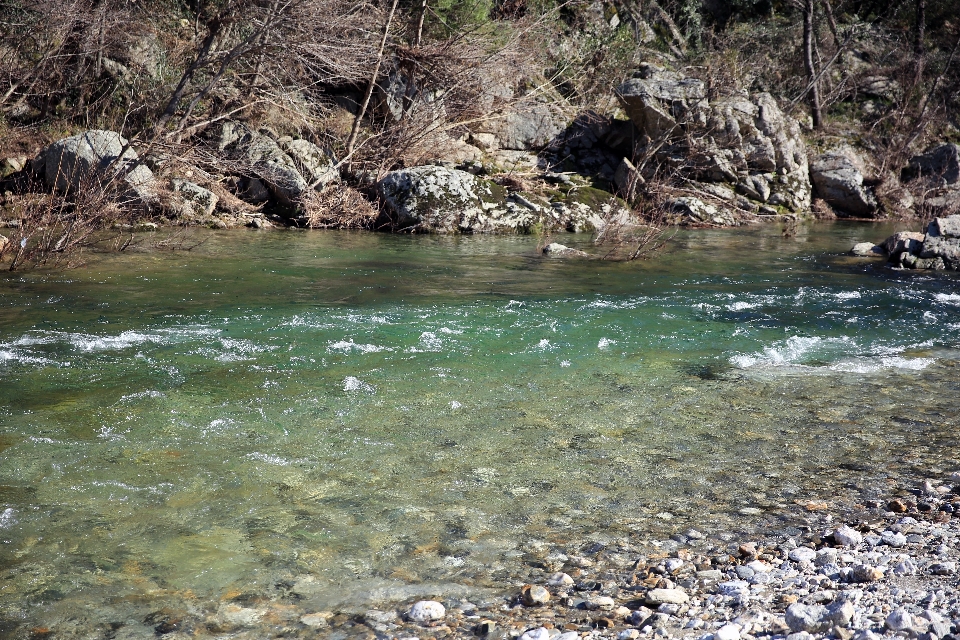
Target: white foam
[[787, 352], [430, 342], [455, 405], [269, 459], [350, 383], [879, 364], [949, 298], [605, 343], [8, 518], [564, 363], [742, 306], [347, 346]]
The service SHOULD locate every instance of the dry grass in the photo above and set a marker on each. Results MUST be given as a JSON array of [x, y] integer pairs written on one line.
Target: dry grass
[[338, 207]]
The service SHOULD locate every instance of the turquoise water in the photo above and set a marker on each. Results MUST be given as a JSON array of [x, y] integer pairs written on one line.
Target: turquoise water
[[333, 420]]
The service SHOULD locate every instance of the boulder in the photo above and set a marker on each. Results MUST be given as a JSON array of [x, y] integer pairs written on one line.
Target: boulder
[[627, 179], [868, 250], [93, 157], [909, 241], [435, 199], [310, 160], [439, 200], [839, 182], [527, 127], [942, 241], [275, 167], [941, 163], [662, 103], [193, 201], [737, 139]]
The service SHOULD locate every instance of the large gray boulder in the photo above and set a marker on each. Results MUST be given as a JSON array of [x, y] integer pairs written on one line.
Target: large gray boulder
[[839, 182], [526, 127], [434, 199], [941, 163], [94, 158], [288, 168], [661, 103], [943, 241], [741, 140]]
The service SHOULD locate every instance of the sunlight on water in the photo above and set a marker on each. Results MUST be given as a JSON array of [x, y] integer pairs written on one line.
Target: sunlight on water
[[354, 417]]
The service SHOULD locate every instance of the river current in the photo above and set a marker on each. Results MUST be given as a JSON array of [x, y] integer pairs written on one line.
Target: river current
[[345, 419]]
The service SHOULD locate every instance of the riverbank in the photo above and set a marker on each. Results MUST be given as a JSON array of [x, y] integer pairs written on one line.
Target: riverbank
[[877, 568]]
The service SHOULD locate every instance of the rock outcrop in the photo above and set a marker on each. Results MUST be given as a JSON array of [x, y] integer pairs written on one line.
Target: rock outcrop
[[435, 199], [743, 141], [94, 158], [839, 181]]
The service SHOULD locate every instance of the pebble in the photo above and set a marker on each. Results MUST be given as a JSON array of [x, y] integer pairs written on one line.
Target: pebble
[[539, 633], [893, 539], [847, 536], [534, 595], [802, 554], [628, 634], [426, 611], [865, 573], [656, 597], [899, 620], [600, 603], [560, 580], [316, 620], [728, 632]]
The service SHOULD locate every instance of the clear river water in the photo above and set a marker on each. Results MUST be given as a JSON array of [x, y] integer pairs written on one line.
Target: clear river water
[[342, 419]]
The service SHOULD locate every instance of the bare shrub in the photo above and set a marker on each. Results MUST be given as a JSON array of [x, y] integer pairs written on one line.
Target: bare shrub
[[337, 207]]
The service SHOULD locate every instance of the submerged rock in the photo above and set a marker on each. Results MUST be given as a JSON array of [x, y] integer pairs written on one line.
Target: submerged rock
[[868, 249]]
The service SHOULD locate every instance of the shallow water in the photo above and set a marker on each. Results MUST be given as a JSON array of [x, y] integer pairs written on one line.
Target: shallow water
[[362, 417]]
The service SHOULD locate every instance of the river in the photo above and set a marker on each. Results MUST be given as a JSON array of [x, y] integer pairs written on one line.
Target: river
[[333, 420]]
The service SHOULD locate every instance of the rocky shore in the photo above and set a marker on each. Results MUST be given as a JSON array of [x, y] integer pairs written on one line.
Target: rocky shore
[[938, 249], [881, 568]]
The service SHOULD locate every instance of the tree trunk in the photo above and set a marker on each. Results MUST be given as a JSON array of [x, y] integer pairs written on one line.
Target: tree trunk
[[921, 26], [352, 140], [814, 94]]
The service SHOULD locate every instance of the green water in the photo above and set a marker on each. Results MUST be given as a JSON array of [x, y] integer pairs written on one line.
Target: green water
[[332, 420]]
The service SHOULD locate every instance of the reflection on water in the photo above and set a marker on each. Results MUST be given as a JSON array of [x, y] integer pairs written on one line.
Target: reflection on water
[[348, 417]]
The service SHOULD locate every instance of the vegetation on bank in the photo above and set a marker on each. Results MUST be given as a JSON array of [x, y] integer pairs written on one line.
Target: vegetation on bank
[[384, 85]]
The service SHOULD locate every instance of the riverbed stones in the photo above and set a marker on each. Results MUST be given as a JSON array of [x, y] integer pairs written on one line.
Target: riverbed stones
[[847, 536], [426, 612], [865, 573]]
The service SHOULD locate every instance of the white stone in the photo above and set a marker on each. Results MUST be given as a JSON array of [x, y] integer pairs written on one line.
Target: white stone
[[316, 620], [802, 554], [560, 580], [728, 632], [536, 634], [628, 634], [669, 596], [847, 536], [426, 611], [899, 620], [240, 616], [759, 566]]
